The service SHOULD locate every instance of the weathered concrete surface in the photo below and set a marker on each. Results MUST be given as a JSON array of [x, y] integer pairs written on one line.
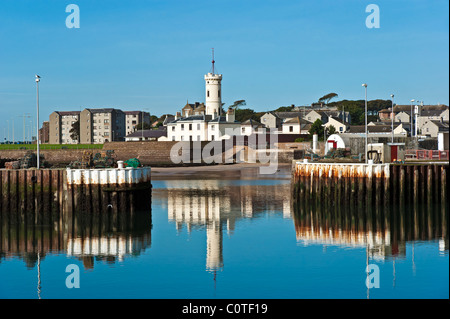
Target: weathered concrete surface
[[377, 183], [104, 176]]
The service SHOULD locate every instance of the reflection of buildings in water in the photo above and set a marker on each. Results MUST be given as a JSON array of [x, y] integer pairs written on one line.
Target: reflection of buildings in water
[[383, 232], [85, 238], [215, 205], [108, 248], [377, 243]]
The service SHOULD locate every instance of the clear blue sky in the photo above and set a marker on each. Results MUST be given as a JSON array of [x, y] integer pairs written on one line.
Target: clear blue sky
[[152, 55]]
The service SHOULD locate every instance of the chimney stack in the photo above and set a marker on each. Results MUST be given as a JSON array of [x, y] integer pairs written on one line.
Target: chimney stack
[[230, 115]]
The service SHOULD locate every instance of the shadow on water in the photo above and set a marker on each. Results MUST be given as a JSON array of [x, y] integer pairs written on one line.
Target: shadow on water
[[96, 225]]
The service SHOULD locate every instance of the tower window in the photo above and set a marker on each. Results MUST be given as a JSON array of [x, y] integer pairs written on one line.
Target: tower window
[[207, 93], [219, 93]]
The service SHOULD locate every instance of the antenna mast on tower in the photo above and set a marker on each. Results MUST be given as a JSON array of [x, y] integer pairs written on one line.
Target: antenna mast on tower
[[213, 61]]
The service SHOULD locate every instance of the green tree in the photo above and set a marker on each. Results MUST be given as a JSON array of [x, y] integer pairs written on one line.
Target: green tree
[[284, 109], [326, 98], [316, 128], [237, 104], [331, 130], [242, 115], [75, 131], [146, 125]]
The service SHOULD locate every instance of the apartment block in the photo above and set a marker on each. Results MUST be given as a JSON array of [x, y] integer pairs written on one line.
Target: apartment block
[[60, 124], [98, 126], [133, 118]]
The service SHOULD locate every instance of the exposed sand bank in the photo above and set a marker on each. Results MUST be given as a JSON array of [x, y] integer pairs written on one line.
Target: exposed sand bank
[[241, 171]]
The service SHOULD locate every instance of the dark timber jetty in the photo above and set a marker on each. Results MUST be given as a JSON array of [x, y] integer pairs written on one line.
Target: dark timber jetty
[[47, 193], [421, 183]]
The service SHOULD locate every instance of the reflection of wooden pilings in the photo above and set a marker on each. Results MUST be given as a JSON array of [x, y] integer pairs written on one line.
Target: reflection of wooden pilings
[[402, 185], [443, 185], [429, 185], [416, 185]]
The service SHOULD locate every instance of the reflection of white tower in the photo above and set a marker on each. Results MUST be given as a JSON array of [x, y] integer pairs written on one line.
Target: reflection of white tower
[[214, 256], [213, 85]]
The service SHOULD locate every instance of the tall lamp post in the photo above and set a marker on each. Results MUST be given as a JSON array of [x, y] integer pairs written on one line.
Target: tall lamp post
[[365, 105], [392, 119], [37, 127], [411, 115]]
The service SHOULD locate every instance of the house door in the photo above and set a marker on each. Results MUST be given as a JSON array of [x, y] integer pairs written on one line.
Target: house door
[[393, 152]]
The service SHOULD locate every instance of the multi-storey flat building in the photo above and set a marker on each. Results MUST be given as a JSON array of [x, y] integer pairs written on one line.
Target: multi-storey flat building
[[98, 126], [60, 124], [133, 118]]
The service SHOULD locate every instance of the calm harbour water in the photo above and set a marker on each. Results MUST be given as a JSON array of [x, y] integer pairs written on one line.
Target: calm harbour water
[[236, 236]]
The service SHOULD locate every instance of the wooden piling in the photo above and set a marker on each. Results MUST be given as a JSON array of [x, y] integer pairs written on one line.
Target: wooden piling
[[443, 184]]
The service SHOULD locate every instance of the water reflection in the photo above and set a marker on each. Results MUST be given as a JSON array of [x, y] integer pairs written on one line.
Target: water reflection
[[107, 236], [217, 206], [383, 231]]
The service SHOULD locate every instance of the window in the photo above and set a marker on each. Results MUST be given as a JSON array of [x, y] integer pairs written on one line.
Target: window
[[190, 127], [173, 138], [198, 127], [182, 127], [106, 121], [212, 137], [106, 134], [182, 138], [219, 93], [173, 128], [341, 129], [207, 93], [198, 137], [291, 129], [212, 127], [243, 130]]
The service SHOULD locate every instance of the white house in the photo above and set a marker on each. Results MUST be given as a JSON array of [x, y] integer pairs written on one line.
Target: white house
[[402, 117], [433, 128], [250, 127], [296, 125], [339, 125]]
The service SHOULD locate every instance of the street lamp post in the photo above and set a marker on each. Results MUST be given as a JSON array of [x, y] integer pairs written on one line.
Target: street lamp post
[[365, 105], [37, 127], [392, 118], [411, 116]]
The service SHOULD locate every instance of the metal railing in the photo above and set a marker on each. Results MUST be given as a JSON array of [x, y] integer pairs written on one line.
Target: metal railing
[[427, 155]]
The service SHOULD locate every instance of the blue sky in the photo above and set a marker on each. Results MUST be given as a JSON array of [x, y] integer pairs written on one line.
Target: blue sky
[[153, 54]]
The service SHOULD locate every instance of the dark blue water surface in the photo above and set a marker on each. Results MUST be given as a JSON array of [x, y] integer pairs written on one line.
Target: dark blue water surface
[[230, 238]]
